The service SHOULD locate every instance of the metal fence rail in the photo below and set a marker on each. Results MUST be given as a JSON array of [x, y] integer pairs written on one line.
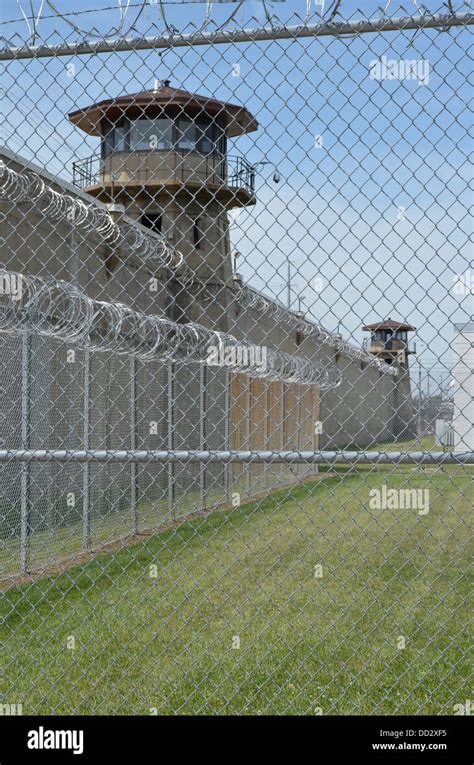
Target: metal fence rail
[[333, 29], [226, 348], [354, 457]]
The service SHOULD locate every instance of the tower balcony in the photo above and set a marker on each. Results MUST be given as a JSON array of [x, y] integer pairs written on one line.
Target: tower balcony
[[388, 347], [230, 180]]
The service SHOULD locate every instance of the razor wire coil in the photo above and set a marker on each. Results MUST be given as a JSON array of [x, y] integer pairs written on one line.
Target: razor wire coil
[[249, 298], [133, 242], [57, 309], [90, 219]]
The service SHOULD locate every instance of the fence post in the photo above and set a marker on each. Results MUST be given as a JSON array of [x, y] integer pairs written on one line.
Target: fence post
[[133, 441], [86, 480], [248, 468], [267, 428], [226, 432], [169, 415], [202, 434], [25, 443]]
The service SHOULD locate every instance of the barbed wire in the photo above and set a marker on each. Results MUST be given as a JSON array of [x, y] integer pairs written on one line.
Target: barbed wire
[[94, 32], [250, 298], [92, 219], [153, 251], [311, 9], [58, 309]]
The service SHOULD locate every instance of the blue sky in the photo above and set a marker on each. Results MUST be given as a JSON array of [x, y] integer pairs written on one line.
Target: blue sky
[[379, 213]]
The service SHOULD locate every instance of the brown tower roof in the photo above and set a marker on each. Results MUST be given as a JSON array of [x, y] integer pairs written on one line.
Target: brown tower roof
[[235, 119], [389, 324]]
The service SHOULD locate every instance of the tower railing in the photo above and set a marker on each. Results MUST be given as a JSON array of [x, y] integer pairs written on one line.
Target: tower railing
[[86, 172], [233, 171]]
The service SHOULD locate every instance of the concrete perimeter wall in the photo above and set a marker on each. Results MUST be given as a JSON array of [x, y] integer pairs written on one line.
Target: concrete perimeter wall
[[99, 400]]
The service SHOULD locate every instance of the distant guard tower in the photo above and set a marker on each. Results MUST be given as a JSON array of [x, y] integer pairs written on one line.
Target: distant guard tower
[[163, 157], [389, 341]]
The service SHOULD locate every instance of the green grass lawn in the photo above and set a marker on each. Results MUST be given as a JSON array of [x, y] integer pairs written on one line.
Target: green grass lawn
[[307, 644]]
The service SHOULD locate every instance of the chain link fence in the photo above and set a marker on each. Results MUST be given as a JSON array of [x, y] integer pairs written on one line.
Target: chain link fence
[[227, 248]]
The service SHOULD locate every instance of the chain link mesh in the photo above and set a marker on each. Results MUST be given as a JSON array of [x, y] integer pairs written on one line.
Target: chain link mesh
[[217, 497]]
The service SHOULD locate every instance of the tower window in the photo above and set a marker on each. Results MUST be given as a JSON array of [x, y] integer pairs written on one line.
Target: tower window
[[151, 134], [115, 139], [203, 136], [186, 134], [153, 221], [197, 233]]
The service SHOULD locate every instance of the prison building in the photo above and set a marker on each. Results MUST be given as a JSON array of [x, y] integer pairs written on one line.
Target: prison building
[[463, 387]]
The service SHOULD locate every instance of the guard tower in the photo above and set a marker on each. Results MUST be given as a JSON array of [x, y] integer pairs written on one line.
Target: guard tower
[[163, 157], [389, 341]]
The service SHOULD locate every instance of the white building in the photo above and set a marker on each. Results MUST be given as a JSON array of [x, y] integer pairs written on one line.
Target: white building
[[463, 384]]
